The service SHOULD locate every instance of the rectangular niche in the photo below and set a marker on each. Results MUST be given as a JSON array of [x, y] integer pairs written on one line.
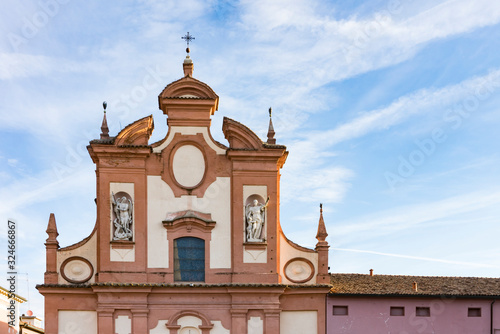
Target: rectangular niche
[[122, 230]]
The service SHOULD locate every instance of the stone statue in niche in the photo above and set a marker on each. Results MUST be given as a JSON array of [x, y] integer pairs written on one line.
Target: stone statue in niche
[[255, 216], [122, 207]]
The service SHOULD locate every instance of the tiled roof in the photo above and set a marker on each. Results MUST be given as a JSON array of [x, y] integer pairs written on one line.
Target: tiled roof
[[391, 285], [107, 141], [187, 98], [189, 285]]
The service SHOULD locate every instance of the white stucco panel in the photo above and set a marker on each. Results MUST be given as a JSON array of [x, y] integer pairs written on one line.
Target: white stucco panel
[[218, 328], [123, 325], [160, 199], [127, 187], [216, 201], [77, 322], [160, 328], [87, 251], [288, 252], [254, 256], [190, 130], [255, 325], [257, 190], [188, 165], [189, 321], [121, 255], [298, 322]]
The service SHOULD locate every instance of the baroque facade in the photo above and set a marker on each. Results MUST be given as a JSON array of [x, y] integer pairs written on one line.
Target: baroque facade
[[187, 238]]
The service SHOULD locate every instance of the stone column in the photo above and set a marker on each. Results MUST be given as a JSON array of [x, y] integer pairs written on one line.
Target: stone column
[[140, 321], [272, 321], [239, 321], [105, 321]]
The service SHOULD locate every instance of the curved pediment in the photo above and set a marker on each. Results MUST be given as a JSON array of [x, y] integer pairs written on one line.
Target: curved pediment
[[188, 87], [240, 136], [137, 133], [189, 219], [188, 102]]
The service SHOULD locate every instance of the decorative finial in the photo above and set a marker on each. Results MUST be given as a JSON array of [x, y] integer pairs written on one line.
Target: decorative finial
[[270, 131], [188, 63], [52, 231], [322, 234], [188, 39], [104, 126]]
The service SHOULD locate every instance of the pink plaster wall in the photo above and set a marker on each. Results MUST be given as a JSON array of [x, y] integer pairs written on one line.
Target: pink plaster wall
[[448, 316]]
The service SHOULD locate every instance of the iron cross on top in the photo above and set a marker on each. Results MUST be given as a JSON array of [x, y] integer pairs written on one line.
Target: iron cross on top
[[188, 39]]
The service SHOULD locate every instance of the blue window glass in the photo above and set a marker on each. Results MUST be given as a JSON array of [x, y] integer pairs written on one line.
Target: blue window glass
[[189, 259]]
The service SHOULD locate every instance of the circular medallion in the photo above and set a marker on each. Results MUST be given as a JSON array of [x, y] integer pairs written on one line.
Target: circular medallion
[[299, 270], [188, 166], [77, 270]]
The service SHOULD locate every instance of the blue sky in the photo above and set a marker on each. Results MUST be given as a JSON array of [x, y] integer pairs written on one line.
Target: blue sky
[[389, 110]]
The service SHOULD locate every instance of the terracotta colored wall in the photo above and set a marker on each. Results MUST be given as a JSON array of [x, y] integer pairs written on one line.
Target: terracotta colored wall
[[447, 315]]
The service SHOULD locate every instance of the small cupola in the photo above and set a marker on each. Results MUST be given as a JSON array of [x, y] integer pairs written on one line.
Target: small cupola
[[188, 101]]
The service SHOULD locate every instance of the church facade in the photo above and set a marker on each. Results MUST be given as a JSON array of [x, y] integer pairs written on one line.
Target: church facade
[[187, 238]]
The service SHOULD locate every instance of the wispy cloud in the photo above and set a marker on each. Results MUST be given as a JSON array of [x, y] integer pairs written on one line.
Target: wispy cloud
[[411, 257], [409, 216], [354, 45], [422, 101], [31, 191], [317, 185], [20, 65]]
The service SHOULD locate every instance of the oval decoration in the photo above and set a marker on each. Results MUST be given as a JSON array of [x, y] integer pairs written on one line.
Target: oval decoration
[[77, 270], [188, 166], [299, 270]]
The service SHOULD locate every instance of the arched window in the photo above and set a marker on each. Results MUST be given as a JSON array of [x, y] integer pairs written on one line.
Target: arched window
[[189, 259]]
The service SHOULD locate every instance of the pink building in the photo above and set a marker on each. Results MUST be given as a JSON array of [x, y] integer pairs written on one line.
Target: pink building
[[384, 304]]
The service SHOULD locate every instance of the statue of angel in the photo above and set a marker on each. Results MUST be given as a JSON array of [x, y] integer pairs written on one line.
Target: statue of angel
[[255, 220], [122, 208]]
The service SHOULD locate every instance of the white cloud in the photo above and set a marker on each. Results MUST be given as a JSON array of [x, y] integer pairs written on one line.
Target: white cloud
[[20, 65], [471, 93], [12, 162], [317, 185], [409, 216], [293, 49], [31, 191], [307, 46], [411, 257]]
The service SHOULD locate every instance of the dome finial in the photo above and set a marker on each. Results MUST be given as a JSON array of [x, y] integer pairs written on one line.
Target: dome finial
[[188, 62], [188, 39]]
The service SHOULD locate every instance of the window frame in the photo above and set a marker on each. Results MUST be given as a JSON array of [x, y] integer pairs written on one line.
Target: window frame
[[397, 308], [422, 314], [178, 261], [472, 314], [340, 307]]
